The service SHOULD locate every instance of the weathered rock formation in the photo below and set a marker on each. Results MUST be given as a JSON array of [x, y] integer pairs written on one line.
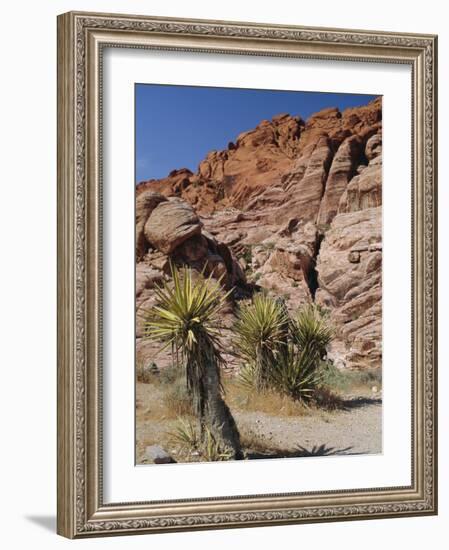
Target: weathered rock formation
[[291, 206], [170, 230], [349, 270]]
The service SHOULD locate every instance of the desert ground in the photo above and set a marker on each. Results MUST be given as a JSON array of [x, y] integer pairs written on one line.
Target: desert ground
[[272, 427]]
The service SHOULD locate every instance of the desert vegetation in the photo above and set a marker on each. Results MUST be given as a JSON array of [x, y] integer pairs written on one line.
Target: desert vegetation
[[283, 367]]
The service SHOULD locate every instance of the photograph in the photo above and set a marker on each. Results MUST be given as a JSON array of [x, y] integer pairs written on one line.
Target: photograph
[[258, 274], [247, 282]]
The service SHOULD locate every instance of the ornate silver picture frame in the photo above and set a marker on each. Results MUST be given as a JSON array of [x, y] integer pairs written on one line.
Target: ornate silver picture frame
[[82, 509]]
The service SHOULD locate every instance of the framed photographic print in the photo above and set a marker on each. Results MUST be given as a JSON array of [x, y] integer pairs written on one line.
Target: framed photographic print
[[246, 274]]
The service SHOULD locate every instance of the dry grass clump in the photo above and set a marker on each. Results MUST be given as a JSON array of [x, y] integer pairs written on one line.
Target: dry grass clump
[[165, 397], [268, 401], [350, 381], [177, 399], [186, 437]]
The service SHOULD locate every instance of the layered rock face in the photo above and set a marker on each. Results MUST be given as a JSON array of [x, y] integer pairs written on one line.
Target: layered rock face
[[291, 206], [349, 270]]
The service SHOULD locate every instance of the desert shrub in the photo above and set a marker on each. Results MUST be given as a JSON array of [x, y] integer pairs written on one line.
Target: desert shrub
[[269, 245], [326, 398], [247, 254], [343, 381], [281, 353], [261, 333], [170, 374], [323, 227]]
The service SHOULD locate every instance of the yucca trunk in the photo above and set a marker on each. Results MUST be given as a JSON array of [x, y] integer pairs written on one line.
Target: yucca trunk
[[203, 379], [217, 417]]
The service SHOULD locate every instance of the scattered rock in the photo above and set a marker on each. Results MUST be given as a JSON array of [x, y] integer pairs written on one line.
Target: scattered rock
[[354, 257], [157, 455]]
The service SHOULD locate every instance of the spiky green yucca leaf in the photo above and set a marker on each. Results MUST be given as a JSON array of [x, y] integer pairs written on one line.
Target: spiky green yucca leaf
[[184, 435], [247, 377], [297, 371], [261, 333]]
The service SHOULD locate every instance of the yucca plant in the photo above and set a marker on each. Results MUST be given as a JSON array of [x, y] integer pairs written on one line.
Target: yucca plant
[[261, 333], [211, 449], [184, 435], [186, 319], [311, 331], [281, 353], [297, 373]]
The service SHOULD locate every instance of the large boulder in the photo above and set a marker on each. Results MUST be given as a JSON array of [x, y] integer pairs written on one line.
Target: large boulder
[[170, 224], [173, 231], [146, 202]]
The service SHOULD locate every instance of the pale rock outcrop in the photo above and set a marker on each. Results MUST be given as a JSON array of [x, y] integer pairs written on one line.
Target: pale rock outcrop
[[364, 190], [350, 283], [341, 172]]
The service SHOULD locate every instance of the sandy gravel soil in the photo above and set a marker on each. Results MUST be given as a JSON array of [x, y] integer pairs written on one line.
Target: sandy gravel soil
[[357, 429]]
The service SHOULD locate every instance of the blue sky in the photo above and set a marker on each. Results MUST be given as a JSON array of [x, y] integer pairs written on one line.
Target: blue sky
[[176, 126]]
